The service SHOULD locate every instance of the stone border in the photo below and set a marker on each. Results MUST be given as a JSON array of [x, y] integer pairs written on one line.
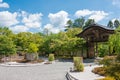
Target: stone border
[[20, 64], [69, 77], [14, 64]]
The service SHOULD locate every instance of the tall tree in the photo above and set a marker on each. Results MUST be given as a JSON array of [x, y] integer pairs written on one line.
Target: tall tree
[[116, 23], [23, 40], [69, 24], [110, 24], [79, 22], [5, 31], [7, 46], [88, 23]]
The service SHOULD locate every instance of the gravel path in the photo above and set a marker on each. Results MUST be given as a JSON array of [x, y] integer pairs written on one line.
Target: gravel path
[[55, 71]]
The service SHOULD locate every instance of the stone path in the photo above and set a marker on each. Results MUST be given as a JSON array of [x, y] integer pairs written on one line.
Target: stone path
[[55, 71]]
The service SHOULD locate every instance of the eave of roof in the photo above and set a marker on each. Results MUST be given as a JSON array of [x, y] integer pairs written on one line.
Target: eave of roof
[[96, 25]]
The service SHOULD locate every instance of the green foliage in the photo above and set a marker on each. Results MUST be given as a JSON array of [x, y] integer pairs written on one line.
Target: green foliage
[[80, 67], [118, 58], [111, 66], [107, 61], [116, 23], [103, 49], [32, 48], [61, 43], [79, 22], [22, 40], [5, 31], [110, 24], [51, 57], [88, 23], [69, 24], [78, 63], [114, 71], [114, 42], [7, 46]]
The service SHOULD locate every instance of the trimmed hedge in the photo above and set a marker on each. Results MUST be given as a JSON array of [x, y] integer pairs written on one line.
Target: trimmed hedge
[[51, 57], [78, 64]]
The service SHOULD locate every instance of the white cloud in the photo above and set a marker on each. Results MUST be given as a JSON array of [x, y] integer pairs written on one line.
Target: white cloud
[[55, 30], [8, 19], [19, 28], [1, 0], [32, 20], [91, 14], [3, 4], [116, 2], [98, 15], [57, 21], [20, 21], [50, 28], [83, 13], [115, 19]]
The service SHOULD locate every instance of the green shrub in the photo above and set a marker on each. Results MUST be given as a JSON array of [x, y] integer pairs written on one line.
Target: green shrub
[[80, 67], [111, 67], [117, 75], [78, 63], [107, 60], [103, 50], [51, 57], [118, 58], [114, 71]]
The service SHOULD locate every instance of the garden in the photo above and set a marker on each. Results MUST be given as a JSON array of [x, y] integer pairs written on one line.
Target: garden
[[27, 47]]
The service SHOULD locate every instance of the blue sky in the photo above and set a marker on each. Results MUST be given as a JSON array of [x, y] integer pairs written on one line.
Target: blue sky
[[38, 15]]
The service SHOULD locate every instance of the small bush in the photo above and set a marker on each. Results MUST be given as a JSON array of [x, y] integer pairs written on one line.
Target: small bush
[[118, 58], [117, 75], [80, 67], [111, 67], [107, 60], [114, 71], [78, 64], [51, 57]]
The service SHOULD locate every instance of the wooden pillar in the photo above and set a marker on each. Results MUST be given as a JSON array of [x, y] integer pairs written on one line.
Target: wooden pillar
[[96, 53], [87, 49], [91, 50]]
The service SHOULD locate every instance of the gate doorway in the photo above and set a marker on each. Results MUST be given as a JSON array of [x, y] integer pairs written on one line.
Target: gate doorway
[[93, 35]]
